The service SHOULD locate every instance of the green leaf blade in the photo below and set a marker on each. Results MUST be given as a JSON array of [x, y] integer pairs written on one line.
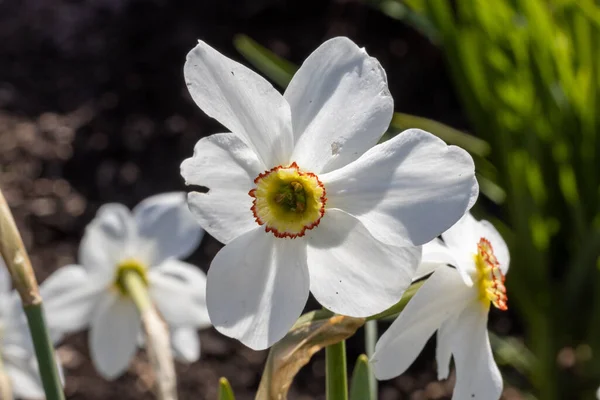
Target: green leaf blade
[[360, 389], [276, 68]]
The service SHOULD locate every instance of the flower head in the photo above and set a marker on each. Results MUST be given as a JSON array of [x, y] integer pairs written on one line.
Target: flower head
[[148, 241], [302, 199], [16, 348], [455, 302]]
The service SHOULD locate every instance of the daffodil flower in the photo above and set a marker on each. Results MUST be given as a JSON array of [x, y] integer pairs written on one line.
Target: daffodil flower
[[148, 241], [302, 199], [455, 302], [16, 349]]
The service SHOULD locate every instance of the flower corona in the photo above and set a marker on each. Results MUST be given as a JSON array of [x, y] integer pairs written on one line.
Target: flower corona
[[288, 201], [489, 276], [127, 265]]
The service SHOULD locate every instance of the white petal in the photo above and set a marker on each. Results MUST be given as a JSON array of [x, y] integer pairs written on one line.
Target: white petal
[[179, 291], [228, 167], [462, 239], [477, 375], [443, 349], [463, 236], [164, 221], [15, 330], [109, 238], [113, 336], [407, 190], [186, 344], [22, 368], [257, 287], [69, 297], [340, 105], [352, 273], [242, 101], [442, 296], [5, 279], [435, 254], [24, 376], [499, 245]]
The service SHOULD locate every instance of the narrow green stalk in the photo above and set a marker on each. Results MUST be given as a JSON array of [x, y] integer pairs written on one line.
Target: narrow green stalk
[[278, 69], [370, 341], [137, 290], [335, 371], [474, 145], [18, 264], [158, 344], [44, 352], [399, 306]]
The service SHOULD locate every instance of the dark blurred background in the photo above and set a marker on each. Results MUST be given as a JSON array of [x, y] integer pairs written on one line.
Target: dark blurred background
[[94, 109]]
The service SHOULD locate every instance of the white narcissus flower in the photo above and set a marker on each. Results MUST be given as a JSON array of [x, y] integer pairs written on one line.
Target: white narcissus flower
[[302, 199], [149, 241], [455, 302], [16, 349]]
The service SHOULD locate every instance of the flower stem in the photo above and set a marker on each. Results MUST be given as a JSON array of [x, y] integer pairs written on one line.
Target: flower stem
[[370, 341], [17, 261], [44, 352], [335, 371], [137, 290], [158, 343]]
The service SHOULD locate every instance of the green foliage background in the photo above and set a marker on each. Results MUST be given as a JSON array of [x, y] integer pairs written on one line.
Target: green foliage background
[[528, 75]]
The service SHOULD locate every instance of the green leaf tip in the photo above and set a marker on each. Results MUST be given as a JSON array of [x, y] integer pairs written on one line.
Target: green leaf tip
[[360, 386], [225, 390]]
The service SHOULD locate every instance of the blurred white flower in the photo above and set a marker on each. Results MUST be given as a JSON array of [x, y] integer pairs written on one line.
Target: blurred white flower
[[149, 241], [455, 302], [16, 349], [302, 199]]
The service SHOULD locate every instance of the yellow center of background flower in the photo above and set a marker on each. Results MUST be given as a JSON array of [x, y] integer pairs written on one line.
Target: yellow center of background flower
[[126, 266], [490, 278], [288, 201]]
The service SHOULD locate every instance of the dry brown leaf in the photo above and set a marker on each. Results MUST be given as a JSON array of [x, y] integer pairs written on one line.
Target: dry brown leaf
[[310, 334]]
